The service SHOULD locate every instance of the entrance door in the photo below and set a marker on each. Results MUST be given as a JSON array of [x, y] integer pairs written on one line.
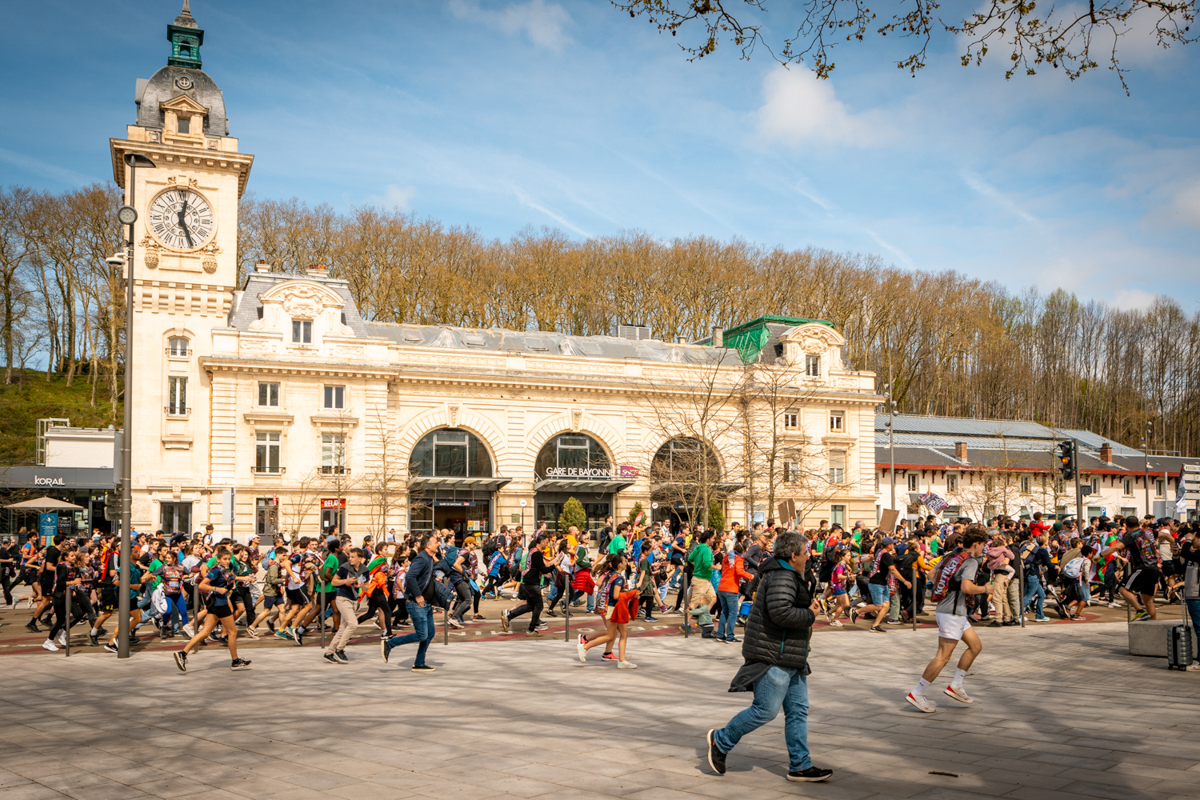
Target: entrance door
[[333, 518], [176, 518], [266, 519]]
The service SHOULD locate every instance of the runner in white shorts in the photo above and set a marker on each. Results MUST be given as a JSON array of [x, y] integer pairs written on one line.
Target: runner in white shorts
[[953, 622]]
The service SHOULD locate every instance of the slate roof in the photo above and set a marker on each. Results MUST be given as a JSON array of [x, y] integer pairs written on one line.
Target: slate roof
[[161, 87], [245, 311]]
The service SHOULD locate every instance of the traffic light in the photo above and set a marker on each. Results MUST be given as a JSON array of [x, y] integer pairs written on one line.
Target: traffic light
[[1066, 459]]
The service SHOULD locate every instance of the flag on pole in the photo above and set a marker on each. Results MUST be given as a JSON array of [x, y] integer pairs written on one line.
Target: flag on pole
[[933, 502], [1181, 493], [638, 519]]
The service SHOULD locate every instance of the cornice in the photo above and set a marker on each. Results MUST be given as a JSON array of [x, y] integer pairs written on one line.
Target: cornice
[[166, 156]]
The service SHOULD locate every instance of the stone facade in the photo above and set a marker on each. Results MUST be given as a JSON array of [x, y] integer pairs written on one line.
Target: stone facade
[[278, 398]]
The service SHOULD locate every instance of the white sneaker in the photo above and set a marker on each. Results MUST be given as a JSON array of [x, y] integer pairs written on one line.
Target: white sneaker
[[959, 694], [922, 702], [61, 641], [189, 630], [626, 665], [1194, 666], [581, 649], [51, 646]]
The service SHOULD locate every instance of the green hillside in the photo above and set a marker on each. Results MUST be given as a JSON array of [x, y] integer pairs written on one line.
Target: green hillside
[[31, 397]]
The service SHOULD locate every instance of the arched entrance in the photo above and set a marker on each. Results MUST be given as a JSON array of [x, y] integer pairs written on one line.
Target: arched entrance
[[575, 465], [451, 484], [685, 477]]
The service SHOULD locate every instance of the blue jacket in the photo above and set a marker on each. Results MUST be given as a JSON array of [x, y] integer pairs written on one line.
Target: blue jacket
[[418, 578]]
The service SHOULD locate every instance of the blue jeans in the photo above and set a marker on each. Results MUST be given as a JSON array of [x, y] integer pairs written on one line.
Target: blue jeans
[[423, 630], [729, 614], [879, 597], [777, 688], [1193, 607], [1034, 588]]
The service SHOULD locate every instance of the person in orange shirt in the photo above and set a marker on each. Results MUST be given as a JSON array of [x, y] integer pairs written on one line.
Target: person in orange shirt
[[733, 572]]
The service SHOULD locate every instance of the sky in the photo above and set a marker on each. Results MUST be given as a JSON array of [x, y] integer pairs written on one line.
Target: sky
[[506, 114]]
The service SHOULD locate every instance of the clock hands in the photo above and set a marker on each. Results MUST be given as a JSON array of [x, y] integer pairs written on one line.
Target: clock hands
[[183, 220]]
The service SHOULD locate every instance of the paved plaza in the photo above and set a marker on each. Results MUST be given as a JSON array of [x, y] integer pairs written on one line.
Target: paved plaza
[[1061, 713]]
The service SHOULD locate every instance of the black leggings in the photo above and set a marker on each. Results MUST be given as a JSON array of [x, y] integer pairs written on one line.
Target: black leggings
[[378, 601], [534, 602], [59, 603], [646, 605], [463, 590]]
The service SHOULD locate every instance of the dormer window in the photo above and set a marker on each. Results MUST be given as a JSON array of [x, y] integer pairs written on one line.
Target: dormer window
[[302, 331], [812, 366]]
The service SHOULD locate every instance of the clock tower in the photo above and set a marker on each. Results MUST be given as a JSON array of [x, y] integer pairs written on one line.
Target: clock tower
[[184, 271]]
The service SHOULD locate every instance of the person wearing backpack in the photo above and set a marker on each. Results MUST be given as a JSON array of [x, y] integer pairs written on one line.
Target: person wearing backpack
[[1140, 546], [1075, 575], [953, 584], [1189, 558]]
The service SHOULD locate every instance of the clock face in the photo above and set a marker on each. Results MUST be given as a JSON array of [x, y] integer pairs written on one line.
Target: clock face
[[181, 219]]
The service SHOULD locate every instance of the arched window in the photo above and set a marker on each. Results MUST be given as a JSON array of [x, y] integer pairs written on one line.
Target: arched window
[[685, 459], [450, 453], [572, 455], [178, 347]]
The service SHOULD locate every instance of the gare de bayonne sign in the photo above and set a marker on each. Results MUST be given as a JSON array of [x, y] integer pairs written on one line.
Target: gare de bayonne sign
[[590, 473]]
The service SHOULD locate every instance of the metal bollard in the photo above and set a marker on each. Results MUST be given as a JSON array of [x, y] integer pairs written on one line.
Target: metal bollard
[[913, 594], [687, 616], [445, 626], [67, 623], [321, 619], [567, 595], [1020, 586]]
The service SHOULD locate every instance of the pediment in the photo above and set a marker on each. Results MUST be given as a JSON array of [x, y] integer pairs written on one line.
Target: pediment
[[813, 337], [302, 299], [185, 104]]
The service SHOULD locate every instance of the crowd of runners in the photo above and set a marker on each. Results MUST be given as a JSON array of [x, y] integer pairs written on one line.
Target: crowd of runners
[[773, 583]]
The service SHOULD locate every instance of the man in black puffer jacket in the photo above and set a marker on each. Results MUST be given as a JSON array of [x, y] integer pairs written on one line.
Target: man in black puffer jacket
[[775, 647]]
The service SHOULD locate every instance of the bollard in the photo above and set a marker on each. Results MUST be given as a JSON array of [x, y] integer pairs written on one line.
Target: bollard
[[196, 604], [445, 626], [567, 635], [321, 620], [913, 609], [1020, 586], [67, 622], [687, 617]]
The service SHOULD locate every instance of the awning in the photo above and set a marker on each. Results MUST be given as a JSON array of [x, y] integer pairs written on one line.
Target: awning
[[44, 504], [477, 484], [583, 485]]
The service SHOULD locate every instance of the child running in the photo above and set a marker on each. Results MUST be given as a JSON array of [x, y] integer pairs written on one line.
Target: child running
[[839, 582], [953, 582], [218, 582], [611, 605]]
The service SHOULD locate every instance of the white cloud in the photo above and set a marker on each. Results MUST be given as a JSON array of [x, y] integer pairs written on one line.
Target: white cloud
[[542, 22], [1133, 299], [800, 108], [1185, 210], [526, 199], [394, 197], [37, 166]]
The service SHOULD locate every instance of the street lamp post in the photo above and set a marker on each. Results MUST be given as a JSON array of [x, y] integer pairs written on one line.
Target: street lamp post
[[891, 428], [1146, 456], [127, 215]]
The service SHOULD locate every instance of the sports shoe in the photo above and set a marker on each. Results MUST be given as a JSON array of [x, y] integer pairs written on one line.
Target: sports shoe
[[810, 775], [330, 658], [504, 620], [282, 633], [716, 759], [479, 618], [1141, 615], [111, 648], [877, 629], [1041, 619], [384, 649], [836, 623], [651, 619], [297, 637], [93, 641], [1077, 617], [238, 664], [181, 660], [542, 626], [456, 624], [959, 694], [922, 702], [32, 626], [50, 645], [1115, 604], [1193, 667], [341, 656], [581, 649], [853, 616], [609, 656], [424, 668], [531, 634], [253, 634], [626, 665]]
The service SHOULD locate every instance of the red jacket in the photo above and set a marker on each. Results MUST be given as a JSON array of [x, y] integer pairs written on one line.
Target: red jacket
[[732, 573]]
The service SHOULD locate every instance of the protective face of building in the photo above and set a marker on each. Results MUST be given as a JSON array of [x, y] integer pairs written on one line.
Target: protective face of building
[[277, 397]]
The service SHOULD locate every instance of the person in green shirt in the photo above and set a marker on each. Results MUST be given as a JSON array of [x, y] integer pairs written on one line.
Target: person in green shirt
[[703, 595], [617, 544], [326, 573]]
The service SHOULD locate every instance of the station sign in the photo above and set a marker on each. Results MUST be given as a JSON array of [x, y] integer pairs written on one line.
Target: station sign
[[332, 502]]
